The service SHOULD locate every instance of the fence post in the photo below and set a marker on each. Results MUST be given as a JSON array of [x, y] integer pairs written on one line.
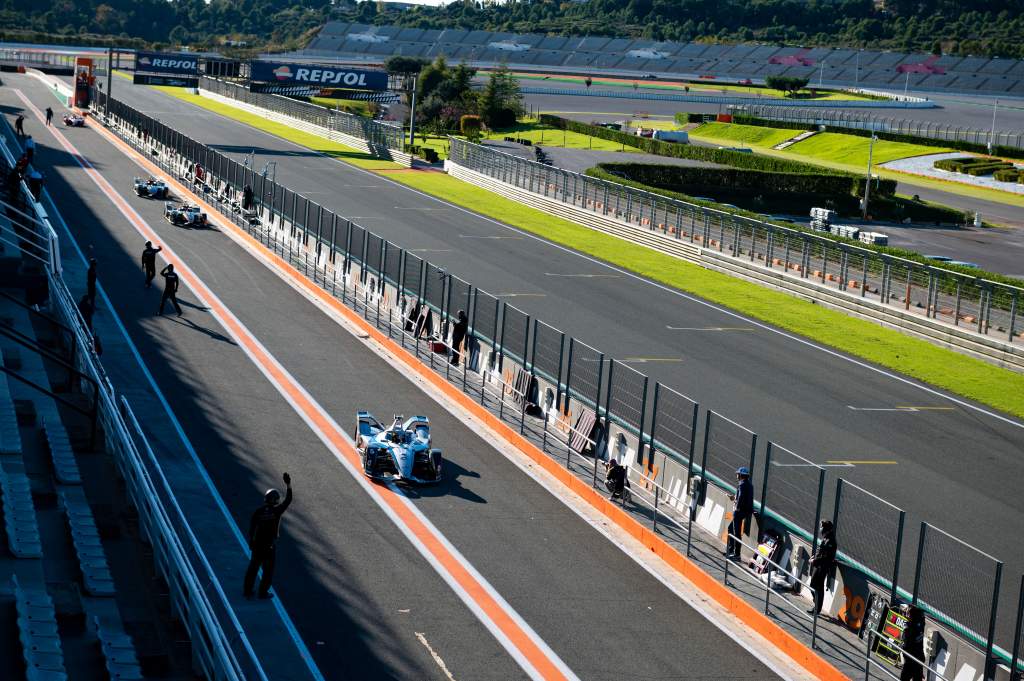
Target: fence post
[[896, 562], [989, 662], [654, 426], [1018, 632], [917, 569], [817, 510], [764, 480], [707, 438], [1013, 315]]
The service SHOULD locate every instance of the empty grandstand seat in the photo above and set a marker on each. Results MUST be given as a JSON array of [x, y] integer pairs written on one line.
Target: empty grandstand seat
[[38, 634], [92, 561], [64, 465], [20, 515], [119, 656], [10, 436]]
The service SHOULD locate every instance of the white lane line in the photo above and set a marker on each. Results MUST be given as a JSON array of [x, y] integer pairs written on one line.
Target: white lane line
[[428, 250], [582, 276], [423, 208], [645, 360], [632, 275], [520, 295], [899, 409], [522, 643], [492, 237], [708, 328], [433, 654], [84, 163]]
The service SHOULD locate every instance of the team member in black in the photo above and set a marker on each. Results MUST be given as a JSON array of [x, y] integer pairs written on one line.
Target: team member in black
[[170, 289], [149, 261], [742, 512], [822, 562], [264, 529], [90, 280]]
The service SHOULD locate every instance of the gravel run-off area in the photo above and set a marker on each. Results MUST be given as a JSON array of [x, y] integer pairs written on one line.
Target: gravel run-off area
[[924, 166]]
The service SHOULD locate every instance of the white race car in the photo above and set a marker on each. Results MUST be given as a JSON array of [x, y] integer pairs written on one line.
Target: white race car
[[184, 214], [74, 121], [401, 452], [151, 188]]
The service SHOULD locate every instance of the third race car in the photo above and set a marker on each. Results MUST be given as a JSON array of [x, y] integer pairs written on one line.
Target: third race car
[[74, 121], [400, 452]]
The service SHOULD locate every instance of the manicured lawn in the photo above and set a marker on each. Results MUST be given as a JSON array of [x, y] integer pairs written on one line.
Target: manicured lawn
[[751, 135], [552, 137], [353, 106], [972, 378], [851, 149]]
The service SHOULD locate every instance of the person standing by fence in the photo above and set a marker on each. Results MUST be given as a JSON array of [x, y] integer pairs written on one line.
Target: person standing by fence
[[822, 563], [742, 512], [19, 125]]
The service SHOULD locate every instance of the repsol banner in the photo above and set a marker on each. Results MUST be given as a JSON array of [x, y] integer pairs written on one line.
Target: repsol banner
[[167, 62], [325, 76], [169, 81]]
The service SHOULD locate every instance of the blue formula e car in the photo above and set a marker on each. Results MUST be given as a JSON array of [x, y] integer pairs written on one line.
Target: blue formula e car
[[400, 452], [151, 188]]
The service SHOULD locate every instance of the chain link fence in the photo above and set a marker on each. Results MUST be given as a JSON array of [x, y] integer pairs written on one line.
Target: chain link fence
[[933, 292], [375, 132], [954, 581], [862, 120]]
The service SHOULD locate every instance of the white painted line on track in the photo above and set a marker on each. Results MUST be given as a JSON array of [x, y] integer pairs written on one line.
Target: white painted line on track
[[93, 174], [709, 328], [632, 275], [437, 658], [522, 643]]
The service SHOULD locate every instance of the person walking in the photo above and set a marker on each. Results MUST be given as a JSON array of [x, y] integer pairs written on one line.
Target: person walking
[[90, 280], [822, 563], [149, 261], [170, 289], [742, 511], [19, 125], [264, 529], [49, 116]]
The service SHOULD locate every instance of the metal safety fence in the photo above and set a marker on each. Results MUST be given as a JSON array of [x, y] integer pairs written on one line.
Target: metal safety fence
[[579, 405], [986, 307], [639, 94], [380, 133], [220, 646], [863, 120]]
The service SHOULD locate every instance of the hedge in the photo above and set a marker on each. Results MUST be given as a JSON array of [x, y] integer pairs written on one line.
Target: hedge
[[1007, 175], [598, 173], [735, 159], [1008, 152], [986, 168]]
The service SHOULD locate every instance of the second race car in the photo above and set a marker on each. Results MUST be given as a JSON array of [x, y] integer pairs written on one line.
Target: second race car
[[74, 121], [184, 214], [400, 452], [151, 188]]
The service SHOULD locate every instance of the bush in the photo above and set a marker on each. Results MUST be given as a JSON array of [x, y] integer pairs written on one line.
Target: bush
[[1007, 175], [735, 159], [956, 165], [986, 168]]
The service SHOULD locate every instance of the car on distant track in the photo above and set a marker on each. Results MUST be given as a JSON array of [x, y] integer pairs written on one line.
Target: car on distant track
[[184, 214], [401, 452], [946, 260], [151, 188], [74, 121]]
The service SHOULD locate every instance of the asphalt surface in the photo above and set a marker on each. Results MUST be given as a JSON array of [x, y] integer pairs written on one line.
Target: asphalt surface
[[788, 391], [355, 587]]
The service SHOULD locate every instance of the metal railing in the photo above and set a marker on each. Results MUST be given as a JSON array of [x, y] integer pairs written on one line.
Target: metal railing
[[379, 133], [862, 120], [727, 98], [510, 362], [987, 307], [197, 596]]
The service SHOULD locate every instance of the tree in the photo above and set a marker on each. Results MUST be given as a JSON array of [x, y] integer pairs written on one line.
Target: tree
[[588, 82], [502, 102], [401, 65], [787, 84]]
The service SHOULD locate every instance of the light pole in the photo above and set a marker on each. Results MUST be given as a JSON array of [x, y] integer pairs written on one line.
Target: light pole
[[412, 114], [906, 84], [867, 185], [821, 73], [992, 132], [110, 71], [856, 73]]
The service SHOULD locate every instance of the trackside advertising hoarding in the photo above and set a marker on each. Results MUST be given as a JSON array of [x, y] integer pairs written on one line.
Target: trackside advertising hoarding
[[167, 63], [312, 74]]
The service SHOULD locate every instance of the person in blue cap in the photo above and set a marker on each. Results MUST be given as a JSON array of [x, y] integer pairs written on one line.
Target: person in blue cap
[[742, 511]]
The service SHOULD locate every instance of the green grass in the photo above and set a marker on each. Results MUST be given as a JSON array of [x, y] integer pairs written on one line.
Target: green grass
[[972, 378], [751, 135], [853, 150], [548, 136], [352, 106]]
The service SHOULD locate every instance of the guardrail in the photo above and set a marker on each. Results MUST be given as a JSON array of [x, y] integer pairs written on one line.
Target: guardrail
[[575, 403], [626, 93], [375, 133], [861, 120], [197, 597], [986, 307]]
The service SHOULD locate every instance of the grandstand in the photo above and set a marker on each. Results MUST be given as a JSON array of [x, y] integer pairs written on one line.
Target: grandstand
[[630, 58]]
